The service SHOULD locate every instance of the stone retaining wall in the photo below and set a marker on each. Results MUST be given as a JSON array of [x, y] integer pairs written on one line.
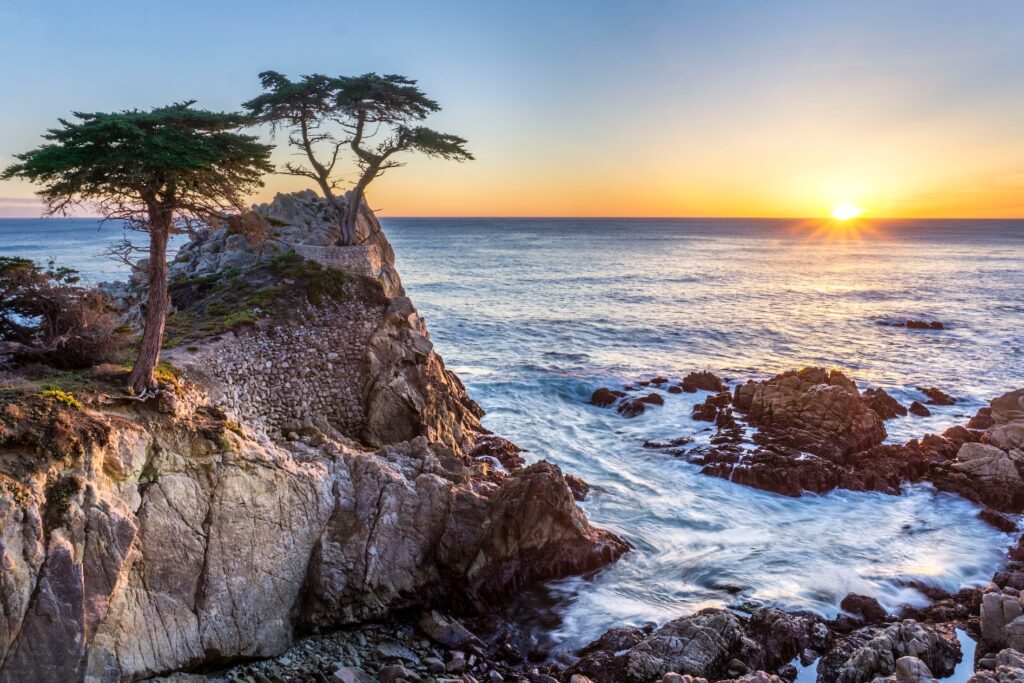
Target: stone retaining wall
[[288, 375], [360, 260]]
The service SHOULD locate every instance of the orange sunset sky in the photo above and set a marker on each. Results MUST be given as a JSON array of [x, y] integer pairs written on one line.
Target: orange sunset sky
[[905, 108]]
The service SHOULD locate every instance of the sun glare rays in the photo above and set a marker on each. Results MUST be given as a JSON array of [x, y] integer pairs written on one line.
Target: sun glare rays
[[845, 212]]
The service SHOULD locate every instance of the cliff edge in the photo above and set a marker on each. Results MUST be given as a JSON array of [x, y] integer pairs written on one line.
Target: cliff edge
[[313, 465]]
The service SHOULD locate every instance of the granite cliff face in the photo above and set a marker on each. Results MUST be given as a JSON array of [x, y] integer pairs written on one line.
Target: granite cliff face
[[216, 521]]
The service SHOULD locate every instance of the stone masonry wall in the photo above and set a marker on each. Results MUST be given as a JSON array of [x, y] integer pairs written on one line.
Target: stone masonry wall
[[360, 260], [288, 375]]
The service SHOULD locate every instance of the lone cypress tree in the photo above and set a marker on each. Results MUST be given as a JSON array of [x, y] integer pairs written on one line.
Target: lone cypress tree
[[159, 171], [305, 106], [377, 113], [388, 106]]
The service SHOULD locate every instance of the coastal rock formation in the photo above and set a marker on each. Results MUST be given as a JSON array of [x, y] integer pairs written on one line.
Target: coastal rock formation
[[882, 403], [158, 542], [319, 466], [1002, 620], [289, 220], [632, 402], [703, 381], [713, 644], [1009, 668], [815, 432], [815, 410], [873, 652], [407, 390], [987, 470], [411, 526]]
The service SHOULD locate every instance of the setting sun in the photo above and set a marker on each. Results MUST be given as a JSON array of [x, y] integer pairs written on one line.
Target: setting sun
[[845, 212]]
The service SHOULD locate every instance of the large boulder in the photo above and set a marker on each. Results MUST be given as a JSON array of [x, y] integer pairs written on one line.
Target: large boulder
[[1002, 620], [411, 527], [872, 652], [882, 403], [989, 471], [813, 410]]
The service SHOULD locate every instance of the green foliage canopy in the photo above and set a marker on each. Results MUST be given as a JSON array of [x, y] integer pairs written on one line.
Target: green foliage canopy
[[127, 164]]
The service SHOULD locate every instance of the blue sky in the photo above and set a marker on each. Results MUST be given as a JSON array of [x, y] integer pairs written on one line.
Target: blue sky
[[909, 107]]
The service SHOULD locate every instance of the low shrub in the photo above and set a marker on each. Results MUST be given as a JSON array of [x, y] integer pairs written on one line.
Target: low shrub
[[65, 397], [46, 316]]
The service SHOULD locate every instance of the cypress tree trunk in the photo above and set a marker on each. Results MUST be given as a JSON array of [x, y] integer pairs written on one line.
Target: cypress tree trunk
[[143, 375], [348, 233]]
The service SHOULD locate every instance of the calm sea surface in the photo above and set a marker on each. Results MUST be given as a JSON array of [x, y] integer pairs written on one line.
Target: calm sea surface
[[534, 314]]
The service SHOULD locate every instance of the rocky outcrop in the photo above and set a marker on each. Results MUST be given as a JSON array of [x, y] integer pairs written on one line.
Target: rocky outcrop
[[1002, 620], [143, 542], [873, 652], [814, 410], [713, 644], [988, 469], [407, 391], [323, 468], [1008, 668], [882, 403], [289, 220], [815, 432], [412, 526]]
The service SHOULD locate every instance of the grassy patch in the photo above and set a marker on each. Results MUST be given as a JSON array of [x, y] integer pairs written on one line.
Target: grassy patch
[[279, 289]]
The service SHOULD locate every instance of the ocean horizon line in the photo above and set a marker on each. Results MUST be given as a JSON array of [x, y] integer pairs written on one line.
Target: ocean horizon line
[[608, 218]]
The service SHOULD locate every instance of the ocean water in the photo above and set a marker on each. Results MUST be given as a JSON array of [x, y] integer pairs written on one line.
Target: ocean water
[[534, 314]]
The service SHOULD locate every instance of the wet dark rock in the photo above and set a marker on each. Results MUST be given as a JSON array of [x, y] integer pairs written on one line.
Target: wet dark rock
[[1009, 579], [604, 397], [924, 325], [615, 640], [713, 644], [499, 448], [632, 408], [579, 488], [945, 607], [882, 403], [784, 472], [703, 381], [982, 419], [653, 399], [997, 520], [916, 408], [720, 399], [865, 607], [672, 443], [658, 381], [813, 410], [1017, 552], [873, 651], [675, 389], [936, 396], [699, 645], [705, 412], [779, 636]]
